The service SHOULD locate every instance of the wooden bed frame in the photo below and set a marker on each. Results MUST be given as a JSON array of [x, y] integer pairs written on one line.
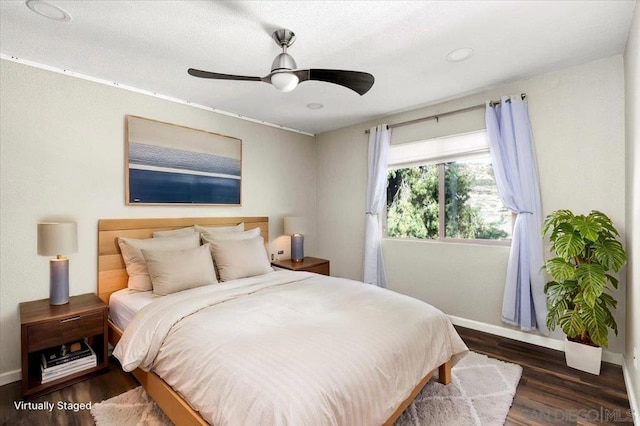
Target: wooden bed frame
[[112, 276]]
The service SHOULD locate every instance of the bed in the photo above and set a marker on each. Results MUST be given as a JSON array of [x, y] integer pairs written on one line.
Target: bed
[[276, 296]]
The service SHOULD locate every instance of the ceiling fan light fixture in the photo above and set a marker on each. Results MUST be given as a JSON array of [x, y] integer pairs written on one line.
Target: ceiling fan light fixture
[[284, 81]]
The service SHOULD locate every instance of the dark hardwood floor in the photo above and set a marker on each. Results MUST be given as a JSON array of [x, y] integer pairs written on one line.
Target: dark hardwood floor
[[549, 392]]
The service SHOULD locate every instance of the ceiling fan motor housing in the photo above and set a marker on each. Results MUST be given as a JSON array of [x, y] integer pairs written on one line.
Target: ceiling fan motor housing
[[283, 61]]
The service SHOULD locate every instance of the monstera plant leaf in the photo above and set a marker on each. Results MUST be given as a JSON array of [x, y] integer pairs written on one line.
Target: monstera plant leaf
[[592, 280], [610, 254], [587, 226], [569, 244], [560, 269]]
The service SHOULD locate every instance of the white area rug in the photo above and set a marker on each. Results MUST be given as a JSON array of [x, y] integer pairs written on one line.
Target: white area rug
[[480, 394], [132, 408]]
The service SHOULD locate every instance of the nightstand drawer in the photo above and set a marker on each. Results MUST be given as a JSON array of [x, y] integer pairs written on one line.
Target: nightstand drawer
[[75, 327]]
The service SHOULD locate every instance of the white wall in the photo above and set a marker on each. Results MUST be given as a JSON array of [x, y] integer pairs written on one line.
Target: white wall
[[62, 156], [632, 80], [577, 116]]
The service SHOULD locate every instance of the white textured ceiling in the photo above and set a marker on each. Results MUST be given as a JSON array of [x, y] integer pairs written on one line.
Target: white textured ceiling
[[150, 44]]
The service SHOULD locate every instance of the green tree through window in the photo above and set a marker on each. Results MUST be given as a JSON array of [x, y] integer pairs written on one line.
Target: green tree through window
[[472, 207], [412, 202]]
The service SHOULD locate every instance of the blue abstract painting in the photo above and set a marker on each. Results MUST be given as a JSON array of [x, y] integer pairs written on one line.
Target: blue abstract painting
[[170, 164]]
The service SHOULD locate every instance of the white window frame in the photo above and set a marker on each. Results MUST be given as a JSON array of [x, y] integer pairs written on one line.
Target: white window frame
[[439, 151]]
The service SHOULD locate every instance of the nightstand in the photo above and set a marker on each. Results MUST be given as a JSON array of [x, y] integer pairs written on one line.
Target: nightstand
[[308, 264], [45, 326]]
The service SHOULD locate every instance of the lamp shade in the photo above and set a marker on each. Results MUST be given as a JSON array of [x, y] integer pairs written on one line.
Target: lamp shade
[[57, 238], [295, 225]]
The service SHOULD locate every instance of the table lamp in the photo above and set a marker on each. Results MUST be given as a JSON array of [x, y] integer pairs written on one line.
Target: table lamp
[[296, 226], [58, 239]]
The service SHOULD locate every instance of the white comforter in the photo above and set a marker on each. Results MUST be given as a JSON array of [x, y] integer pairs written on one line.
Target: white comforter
[[290, 348]]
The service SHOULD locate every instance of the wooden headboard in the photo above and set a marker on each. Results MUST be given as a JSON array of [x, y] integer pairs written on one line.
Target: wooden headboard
[[112, 275]]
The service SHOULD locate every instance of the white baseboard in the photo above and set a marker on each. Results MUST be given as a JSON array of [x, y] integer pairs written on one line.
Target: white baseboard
[[631, 393], [10, 377], [522, 336]]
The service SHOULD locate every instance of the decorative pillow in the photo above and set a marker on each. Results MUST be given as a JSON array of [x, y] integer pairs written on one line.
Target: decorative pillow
[[244, 235], [182, 232], [220, 229], [173, 271], [134, 260], [208, 237], [240, 258]]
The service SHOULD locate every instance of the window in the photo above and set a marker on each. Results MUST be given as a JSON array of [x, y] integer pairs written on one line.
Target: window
[[444, 189]]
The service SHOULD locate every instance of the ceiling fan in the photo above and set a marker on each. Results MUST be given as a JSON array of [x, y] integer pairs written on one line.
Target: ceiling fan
[[285, 75]]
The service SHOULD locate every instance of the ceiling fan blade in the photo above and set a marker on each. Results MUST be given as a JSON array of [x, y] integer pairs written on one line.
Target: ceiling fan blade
[[359, 82], [218, 76]]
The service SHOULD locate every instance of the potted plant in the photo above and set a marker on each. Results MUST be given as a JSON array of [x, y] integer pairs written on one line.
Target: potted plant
[[586, 249]]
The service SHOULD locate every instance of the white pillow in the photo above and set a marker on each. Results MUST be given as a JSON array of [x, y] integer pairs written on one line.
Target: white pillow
[[220, 229], [244, 235], [240, 258], [173, 271], [134, 260], [182, 232]]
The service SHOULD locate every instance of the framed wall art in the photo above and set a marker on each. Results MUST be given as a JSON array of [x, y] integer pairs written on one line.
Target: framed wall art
[[171, 164]]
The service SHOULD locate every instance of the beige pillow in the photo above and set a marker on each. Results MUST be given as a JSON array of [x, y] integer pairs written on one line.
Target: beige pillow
[[240, 258], [173, 271], [244, 235], [208, 237], [220, 229], [181, 232], [134, 260]]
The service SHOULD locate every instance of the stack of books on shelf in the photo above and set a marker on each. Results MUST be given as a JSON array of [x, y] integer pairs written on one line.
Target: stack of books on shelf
[[67, 359]]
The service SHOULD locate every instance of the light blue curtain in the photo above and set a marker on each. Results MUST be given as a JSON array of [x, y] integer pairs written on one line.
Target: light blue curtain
[[379, 141], [514, 166]]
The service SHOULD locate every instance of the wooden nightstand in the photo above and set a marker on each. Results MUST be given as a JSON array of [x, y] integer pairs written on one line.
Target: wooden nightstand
[[308, 264], [45, 326]]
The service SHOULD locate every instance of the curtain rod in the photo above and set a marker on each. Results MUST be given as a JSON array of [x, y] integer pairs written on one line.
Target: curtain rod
[[444, 114]]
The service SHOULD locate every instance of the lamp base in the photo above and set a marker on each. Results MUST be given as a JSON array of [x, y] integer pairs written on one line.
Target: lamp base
[[297, 248], [59, 281]]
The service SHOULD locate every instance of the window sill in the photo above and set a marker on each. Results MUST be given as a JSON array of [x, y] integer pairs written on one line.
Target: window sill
[[494, 243]]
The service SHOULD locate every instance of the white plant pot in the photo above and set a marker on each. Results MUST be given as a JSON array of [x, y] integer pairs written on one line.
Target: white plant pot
[[582, 357]]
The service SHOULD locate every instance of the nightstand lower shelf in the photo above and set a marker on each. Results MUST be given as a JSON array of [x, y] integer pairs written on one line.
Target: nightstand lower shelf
[[35, 388]]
